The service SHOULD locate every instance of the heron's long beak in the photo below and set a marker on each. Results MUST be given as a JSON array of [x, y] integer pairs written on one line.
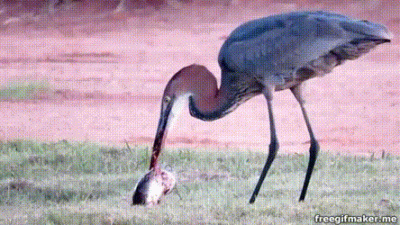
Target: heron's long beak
[[160, 135]]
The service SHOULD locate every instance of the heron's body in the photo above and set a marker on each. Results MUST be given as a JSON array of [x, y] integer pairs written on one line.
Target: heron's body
[[285, 50], [266, 55]]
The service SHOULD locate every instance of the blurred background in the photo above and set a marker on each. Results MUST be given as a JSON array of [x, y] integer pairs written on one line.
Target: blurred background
[[95, 70]]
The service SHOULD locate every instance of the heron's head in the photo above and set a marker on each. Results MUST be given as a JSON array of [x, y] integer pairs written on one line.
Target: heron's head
[[194, 82]]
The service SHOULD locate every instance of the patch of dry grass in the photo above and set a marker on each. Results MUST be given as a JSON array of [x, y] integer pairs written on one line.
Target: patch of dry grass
[[82, 183]]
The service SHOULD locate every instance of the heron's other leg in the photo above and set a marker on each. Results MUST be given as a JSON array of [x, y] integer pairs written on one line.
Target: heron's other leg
[[273, 146], [314, 148]]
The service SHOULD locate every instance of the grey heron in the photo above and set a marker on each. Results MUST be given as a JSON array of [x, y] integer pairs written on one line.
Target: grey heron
[[259, 57]]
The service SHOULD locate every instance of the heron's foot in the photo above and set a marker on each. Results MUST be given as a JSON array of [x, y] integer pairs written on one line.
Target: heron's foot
[[152, 187]]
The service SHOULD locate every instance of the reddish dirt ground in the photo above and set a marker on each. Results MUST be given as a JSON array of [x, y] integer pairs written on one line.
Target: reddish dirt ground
[[109, 75]]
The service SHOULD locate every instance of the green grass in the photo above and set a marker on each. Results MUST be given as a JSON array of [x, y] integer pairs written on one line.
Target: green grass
[[25, 90], [85, 183]]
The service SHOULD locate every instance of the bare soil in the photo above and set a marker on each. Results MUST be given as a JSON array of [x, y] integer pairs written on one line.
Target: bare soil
[[108, 72]]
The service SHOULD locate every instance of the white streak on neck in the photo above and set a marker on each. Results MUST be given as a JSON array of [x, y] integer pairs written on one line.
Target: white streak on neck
[[181, 102]]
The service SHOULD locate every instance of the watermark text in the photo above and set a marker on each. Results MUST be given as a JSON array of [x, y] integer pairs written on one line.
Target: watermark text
[[345, 218]]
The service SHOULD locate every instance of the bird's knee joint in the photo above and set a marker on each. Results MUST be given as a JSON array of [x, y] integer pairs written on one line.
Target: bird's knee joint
[[315, 143], [314, 146], [274, 145]]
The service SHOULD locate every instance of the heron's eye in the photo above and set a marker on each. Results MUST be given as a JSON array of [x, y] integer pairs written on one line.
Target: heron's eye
[[167, 99]]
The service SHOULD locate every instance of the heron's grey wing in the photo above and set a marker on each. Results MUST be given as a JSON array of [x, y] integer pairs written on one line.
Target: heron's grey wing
[[274, 47]]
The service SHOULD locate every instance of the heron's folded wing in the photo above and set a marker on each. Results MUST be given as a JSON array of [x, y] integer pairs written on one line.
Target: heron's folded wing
[[284, 43]]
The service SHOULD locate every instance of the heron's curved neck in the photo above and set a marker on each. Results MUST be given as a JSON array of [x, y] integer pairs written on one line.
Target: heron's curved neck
[[211, 107], [207, 102]]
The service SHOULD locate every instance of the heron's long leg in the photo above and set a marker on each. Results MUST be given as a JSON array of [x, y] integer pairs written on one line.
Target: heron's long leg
[[314, 148], [273, 146]]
